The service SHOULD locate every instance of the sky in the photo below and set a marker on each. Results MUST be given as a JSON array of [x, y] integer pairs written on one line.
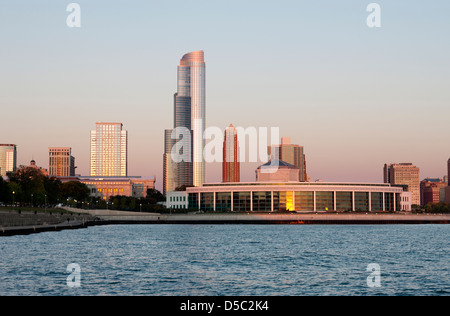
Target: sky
[[355, 97]]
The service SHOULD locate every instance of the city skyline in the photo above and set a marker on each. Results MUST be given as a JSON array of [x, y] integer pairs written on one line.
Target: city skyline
[[354, 101]]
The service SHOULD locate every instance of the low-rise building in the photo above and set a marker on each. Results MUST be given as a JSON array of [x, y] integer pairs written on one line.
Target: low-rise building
[[177, 200], [105, 187]]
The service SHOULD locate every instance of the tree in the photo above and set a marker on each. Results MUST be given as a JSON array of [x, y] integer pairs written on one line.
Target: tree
[[75, 190], [28, 183], [154, 196], [5, 191]]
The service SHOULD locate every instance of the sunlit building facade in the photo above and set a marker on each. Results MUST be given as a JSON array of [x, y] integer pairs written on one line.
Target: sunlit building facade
[[231, 169], [185, 140], [109, 156], [298, 196], [107, 187], [292, 154], [61, 163], [404, 174], [8, 158], [192, 84]]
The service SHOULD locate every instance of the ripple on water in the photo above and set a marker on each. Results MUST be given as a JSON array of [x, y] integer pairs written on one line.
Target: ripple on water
[[229, 260]]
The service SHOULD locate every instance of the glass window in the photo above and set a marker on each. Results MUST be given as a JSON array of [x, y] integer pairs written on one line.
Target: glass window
[[223, 201], [207, 201], [193, 200], [362, 201], [262, 201], [241, 201], [389, 201], [377, 201], [285, 201], [344, 201], [304, 201], [324, 201]]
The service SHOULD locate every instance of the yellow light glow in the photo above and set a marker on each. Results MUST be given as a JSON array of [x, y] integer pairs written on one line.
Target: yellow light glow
[[289, 201]]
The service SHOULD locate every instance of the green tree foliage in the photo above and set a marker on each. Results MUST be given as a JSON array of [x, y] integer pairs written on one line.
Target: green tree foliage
[[74, 190], [439, 208]]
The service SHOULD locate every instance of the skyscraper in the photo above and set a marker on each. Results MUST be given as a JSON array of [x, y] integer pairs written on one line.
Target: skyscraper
[[189, 116], [109, 156], [191, 83], [448, 170], [231, 171], [292, 154], [61, 163], [404, 174], [8, 158], [447, 189]]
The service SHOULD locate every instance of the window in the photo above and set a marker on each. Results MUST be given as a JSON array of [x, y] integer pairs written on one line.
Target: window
[[324, 201]]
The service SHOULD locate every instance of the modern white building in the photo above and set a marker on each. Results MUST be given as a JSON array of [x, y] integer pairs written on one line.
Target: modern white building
[[299, 196], [177, 200]]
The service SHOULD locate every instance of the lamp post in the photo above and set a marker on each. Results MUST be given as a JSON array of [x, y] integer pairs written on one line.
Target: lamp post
[[14, 198]]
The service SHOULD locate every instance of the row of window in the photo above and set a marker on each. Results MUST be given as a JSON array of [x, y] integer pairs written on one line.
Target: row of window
[[177, 199], [294, 201]]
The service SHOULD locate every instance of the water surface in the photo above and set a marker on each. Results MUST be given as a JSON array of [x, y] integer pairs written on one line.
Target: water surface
[[273, 260]]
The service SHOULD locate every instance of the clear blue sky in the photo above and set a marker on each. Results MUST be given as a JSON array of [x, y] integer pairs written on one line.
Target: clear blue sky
[[355, 97]]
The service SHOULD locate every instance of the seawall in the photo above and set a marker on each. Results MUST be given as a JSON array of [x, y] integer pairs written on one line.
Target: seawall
[[118, 217]]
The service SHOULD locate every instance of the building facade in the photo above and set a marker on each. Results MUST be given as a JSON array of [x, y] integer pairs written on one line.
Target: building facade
[[186, 139], [299, 196], [192, 84], [109, 150], [61, 163], [231, 166], [292, 154], [431, 191], [8, 158], [106, 187], [404, 174], [277, 171], [177, 200], [447, 189]]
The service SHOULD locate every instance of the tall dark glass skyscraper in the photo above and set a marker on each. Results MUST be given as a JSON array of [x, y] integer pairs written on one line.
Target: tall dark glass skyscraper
[[189, 115]]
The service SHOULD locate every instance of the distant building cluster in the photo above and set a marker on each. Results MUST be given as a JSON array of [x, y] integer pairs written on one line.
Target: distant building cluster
[[108, 167], [281, 184]]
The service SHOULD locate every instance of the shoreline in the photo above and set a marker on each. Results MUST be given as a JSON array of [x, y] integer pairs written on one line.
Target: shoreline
[[107, 217]]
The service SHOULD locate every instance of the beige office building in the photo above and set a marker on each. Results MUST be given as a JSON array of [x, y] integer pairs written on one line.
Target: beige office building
[[109, 155], [61, 163], [404, 174], [292, 154], [8, 158]]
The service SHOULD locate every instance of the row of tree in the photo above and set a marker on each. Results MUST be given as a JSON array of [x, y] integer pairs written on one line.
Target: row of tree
[[28, 186]]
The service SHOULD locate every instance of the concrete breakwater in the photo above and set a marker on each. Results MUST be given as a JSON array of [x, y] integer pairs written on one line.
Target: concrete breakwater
[[104, 217], [118, 217], [24, 223]]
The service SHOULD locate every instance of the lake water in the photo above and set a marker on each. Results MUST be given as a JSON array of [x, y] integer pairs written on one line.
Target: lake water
[[231, 260]]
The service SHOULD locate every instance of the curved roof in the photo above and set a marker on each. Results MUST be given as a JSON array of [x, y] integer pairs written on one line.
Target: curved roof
[[197, 56]]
